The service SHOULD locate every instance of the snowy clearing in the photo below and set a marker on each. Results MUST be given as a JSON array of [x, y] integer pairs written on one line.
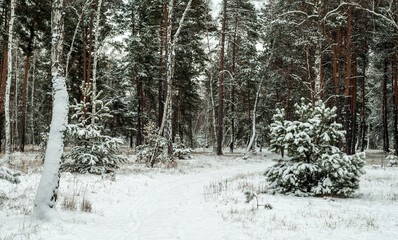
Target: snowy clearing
[[198, 199]]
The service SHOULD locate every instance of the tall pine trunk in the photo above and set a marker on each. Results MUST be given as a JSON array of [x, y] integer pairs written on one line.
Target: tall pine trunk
[[347, 94], [221, 84], [386, 140], [232, 142], [395, 91], [26, 75], [363, 120], [354, 102]]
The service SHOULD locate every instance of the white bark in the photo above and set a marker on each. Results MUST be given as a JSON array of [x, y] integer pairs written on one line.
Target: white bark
[[48, 187], [15, 119], [73, 39], [168, 108], [253, 137], [318, 8], [249, 146], [213, 105], [96, 52], [171, 45], [8, 84], [33, 108]]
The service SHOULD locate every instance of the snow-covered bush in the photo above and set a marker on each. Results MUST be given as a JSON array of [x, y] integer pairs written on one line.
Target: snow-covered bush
[[92, 152], [392, 160], [9, 175], [314, 165], [152, 139], [180, 151]]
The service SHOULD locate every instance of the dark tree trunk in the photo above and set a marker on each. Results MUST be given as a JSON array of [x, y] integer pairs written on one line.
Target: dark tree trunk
[[348, 85], [354, 101], [363, 120], [160, 82], [25, 82], [221, 87], [234, 46], [395, 86], [386, 142]]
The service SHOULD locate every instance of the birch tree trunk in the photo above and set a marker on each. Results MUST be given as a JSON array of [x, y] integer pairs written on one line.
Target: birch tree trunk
[[47, 191], [96, 45], [14, 133], [168, 108], [8, 84], [74, 38], [213, 105], [33, 108], [318, 54], [253, 136]]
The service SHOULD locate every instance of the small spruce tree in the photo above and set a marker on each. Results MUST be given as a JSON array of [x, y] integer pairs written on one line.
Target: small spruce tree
[[93, 152], [151, 140], [314, 165]]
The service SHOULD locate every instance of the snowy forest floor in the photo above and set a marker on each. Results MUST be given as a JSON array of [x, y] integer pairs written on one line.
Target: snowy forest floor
[[201, 198]]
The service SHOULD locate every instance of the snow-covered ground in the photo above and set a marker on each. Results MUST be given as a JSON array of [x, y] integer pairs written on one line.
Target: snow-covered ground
[[198, 199]]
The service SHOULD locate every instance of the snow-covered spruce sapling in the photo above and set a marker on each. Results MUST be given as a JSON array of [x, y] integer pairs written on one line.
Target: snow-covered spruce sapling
[[179, 150], [153, 144], [392, 160], [315, 166], [9, 175], [93, 152]]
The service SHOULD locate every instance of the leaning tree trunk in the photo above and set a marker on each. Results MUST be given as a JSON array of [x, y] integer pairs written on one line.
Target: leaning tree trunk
[[8, 84], [47, 191]]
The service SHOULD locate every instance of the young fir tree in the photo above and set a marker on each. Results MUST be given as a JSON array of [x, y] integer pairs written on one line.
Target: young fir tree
[[94, 152], [152, 140], [315, 166]]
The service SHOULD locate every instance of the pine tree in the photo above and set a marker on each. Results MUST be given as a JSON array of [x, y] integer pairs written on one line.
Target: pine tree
[[93, 152], [314, 165]]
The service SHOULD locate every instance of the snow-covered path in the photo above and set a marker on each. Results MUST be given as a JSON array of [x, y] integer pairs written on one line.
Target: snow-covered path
[[177, 209], [162, 206]]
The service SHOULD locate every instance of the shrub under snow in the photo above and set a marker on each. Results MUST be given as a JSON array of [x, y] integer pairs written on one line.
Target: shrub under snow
[[314, 165]]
